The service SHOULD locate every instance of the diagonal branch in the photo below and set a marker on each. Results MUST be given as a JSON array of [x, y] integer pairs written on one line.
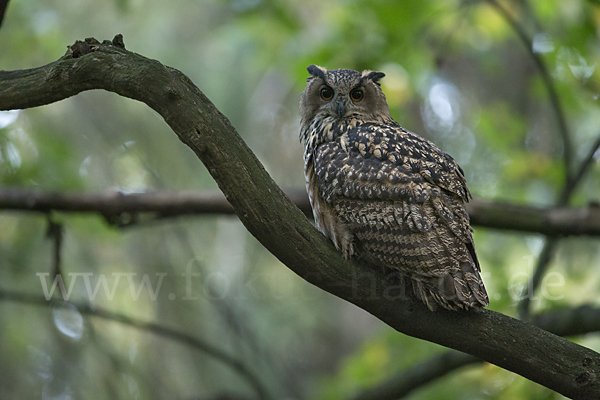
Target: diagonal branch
[[122, 209], [284, 230], [543, 261], [152, 327], [584, 167]]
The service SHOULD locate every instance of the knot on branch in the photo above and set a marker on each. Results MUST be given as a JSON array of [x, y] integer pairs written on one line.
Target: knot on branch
[[118, 41], [88, 45]]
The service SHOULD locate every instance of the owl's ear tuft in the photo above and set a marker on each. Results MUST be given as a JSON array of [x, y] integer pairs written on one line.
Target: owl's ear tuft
[[373, 76], [316, 71]]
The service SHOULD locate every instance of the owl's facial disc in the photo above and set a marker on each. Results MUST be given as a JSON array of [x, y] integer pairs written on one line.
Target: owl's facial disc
[[344, 94]]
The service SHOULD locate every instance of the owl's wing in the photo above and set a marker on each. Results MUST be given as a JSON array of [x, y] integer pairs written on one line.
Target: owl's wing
[[403, 199], [372, 161]]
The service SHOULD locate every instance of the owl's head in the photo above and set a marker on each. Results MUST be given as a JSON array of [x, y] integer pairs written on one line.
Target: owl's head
[[343, 94]]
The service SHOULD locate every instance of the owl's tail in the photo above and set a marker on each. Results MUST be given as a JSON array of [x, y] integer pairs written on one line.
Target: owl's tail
[[462, 289]]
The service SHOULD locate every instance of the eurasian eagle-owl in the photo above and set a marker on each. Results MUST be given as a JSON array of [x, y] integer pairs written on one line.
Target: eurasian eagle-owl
[[380, 191]]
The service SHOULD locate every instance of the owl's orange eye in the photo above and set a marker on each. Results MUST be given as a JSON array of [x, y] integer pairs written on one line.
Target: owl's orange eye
[[326, 93], [356, 95]]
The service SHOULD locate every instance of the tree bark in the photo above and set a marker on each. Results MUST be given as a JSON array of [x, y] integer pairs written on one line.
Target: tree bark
[[284, 230]]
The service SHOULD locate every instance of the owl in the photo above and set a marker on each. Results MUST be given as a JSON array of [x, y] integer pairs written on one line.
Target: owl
[[385, 194]]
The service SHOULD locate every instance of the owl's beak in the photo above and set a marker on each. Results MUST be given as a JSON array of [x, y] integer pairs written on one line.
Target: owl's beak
[[341, 108]]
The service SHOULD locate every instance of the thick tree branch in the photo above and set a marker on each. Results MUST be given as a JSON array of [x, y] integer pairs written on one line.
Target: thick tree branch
[[568, 322], [151, 327], [122, 209], [284, 230]]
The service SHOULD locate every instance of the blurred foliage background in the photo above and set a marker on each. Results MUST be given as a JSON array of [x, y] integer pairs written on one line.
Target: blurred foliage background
[[457, 72]]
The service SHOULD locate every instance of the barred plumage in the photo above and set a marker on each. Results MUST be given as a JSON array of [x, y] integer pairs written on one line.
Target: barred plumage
[[379, 190]]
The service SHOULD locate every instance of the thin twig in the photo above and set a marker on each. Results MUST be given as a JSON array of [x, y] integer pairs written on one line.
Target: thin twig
[[543, 261], [151, 327], [550, 87], [579, 174], [55, 234], [551, 243]]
